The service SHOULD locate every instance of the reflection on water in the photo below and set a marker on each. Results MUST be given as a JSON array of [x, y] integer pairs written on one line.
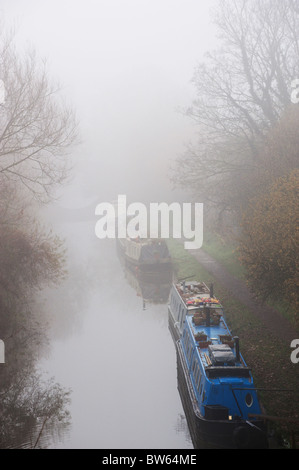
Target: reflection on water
[[119, 360], [38, 436], [31, 405], [33, 411], [151, 285]]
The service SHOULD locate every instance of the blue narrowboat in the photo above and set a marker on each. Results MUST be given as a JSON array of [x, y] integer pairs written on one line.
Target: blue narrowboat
[[215, 384]]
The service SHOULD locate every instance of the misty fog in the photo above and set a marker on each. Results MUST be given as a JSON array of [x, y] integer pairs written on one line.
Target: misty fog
[[125, 67], [157, 101]]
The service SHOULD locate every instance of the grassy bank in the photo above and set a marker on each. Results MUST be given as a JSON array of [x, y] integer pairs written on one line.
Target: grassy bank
[[227, 254], [268, 357]]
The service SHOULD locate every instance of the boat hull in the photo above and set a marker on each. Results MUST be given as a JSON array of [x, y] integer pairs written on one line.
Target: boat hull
[[215, 434], [171, 325], [150, 266], [145, 257]]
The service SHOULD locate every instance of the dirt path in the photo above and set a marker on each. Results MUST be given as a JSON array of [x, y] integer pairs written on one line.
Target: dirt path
[[272, 319]]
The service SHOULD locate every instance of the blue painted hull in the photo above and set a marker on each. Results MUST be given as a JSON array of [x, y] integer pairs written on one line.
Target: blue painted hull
[[215, 434], [214, 382]]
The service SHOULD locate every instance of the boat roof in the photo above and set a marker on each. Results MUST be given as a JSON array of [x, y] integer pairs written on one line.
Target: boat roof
[[215, 344], [217, 350], [146, 241], [196, 295]]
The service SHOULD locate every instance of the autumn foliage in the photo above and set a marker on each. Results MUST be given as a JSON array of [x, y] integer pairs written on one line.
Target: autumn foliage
[[270, 240], [280, 153]]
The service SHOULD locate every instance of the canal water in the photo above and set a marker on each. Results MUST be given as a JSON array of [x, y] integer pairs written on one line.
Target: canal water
[[114, 351]]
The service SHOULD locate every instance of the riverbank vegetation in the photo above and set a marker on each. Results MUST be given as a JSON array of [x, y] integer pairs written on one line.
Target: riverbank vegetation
[[244, 165], [227, 253], [36, 130]]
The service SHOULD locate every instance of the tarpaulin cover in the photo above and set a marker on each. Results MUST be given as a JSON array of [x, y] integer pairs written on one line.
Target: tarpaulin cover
[[221, 354]]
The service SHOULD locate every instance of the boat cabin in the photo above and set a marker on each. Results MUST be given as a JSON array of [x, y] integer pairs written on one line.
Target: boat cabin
[[222, 383]]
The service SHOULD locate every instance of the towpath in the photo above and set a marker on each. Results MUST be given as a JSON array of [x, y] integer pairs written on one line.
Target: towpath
[[273, 320]]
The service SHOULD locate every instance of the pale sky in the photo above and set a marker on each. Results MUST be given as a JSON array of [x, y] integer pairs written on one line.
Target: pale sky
[[126, 67]]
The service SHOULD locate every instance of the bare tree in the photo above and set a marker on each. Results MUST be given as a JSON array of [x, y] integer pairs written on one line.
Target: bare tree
[[242, 90], [36, 128], [30, 406]]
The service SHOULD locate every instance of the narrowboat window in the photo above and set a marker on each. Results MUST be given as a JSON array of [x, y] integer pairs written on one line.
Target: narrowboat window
[[199, 380], [180, 314], [249, 400], [190, 353], [187, 344], [189, 349], [195, 372], [197, 376], [184, 338]]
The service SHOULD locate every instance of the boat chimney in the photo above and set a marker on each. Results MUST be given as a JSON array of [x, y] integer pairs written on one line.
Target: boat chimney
[[237, 346], [212, 291]]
